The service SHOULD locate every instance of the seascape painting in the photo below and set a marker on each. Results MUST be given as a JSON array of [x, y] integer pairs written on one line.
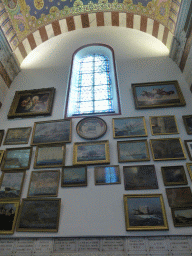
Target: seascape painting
[[129, 127], [177, 197], [74, 176], [174, 175], [163, 125], [39, 215], [11, 184], [182, 217], [44, 183], [188, 123], [145, 212], [17, 136]]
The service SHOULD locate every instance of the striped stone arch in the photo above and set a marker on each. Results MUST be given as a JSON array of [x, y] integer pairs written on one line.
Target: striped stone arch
[[57, 27]]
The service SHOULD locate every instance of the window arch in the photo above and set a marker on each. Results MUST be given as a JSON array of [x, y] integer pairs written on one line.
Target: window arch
[[93, 84]]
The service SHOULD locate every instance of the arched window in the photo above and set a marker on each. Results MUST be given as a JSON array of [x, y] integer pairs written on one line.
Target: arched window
[[92, 85]]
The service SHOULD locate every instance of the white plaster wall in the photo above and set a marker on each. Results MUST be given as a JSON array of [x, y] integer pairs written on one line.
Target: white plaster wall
[[99, 210]]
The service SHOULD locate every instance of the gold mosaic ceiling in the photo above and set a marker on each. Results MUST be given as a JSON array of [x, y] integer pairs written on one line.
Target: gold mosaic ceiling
[[27, 16]]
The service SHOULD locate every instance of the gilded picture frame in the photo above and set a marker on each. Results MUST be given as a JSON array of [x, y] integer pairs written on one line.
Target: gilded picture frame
[[167, 149], [129, 127], [44, 183], [39, 215], [48, 132], [107, 175], [85, 153], [133, 151], [158, 95], [189, 168], [163, 125], [47, 156], [188, 145], [182, 216], [1, 155], [9, 211], [187, 120], [91, 128], [29, 103], [174, 175], [145, 212], [11, 184], [15, 136], [1, 136], [17, 158], [74, 176]]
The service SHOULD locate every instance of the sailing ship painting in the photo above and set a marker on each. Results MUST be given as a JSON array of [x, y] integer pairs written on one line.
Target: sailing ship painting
[[145, 212]]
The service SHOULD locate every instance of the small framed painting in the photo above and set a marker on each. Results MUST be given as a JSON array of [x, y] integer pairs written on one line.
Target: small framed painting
[[1, 136], [107, 175], [189, 168], [47, 132], [145, 212], [8, 216], [16, 136], [133, 151], [73, 176], [167, 149], [177, 197], [182, 216], [129, 127], [163, 125], [158, 95], [32, 103], [44, 183], [91, 153], [188, 123], [91, 128], [140, 177], [17, 158], [188, 144], [174, 175], [39, 215], [11, 185], [47, 156]]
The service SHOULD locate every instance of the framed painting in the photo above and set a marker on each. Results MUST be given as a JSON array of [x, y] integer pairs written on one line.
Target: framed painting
[[17, 158], [129, 127], [188, 144], [163, 125], [44, 183], [158, 95], [177, 197], [73, 176], [1, 155], [174, 175], [47, 156], [39, 215], [8, 216], [189, 168], [107, 175], [1, 136], [11, 185], [167, 149], [188, 123], [182, 216], [145, 212], [30, 103], [133, 151], [16, 136], [58, 131], [91, 128], [140, 177], [85, 153]]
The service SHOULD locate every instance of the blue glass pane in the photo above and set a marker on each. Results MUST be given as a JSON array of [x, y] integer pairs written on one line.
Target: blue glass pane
[[86, 80], [86, 93], [101, 92], [101, 78], [101, 66], [102, 106]]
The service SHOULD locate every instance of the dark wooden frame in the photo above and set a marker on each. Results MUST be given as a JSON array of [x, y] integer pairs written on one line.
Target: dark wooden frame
[[187, 147], [96, 169], [31, 93], [163, 133]]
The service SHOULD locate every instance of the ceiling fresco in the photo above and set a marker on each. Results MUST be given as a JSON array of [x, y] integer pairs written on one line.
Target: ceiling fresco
[[28, 15]]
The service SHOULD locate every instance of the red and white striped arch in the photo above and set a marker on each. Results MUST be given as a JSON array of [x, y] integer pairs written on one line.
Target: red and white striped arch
[[128, 20]]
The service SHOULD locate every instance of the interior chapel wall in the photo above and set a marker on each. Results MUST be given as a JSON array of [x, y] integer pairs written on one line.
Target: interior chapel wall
[[99, 210]]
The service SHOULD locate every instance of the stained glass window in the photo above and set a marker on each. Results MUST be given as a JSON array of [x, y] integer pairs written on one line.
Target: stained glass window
[[91, 85]]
